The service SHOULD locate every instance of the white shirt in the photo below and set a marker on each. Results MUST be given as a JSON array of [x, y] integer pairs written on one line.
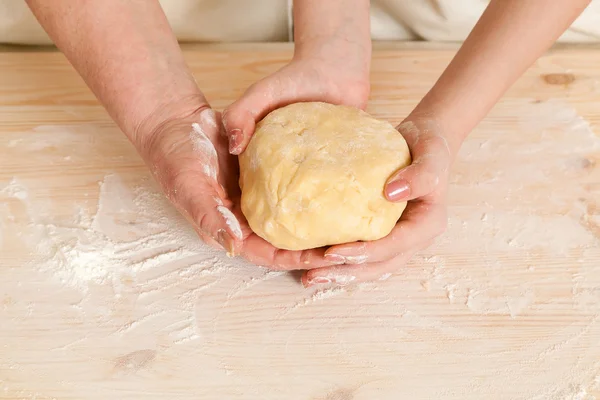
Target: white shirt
[[271, 20]]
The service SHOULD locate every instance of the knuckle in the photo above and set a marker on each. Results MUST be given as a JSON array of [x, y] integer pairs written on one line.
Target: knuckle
[[439, 145], [423, 179], [431, 180]]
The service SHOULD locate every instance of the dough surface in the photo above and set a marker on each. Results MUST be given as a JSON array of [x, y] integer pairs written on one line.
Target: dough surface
[[313, 175]]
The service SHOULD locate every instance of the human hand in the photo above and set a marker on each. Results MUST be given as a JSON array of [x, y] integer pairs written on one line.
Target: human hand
[[342, 81], [187, 153], [424, 185], [306, 78]]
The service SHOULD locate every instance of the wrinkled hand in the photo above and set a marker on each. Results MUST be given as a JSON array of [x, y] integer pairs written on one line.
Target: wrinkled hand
[[424, 185], [300, 80], [188, 156]]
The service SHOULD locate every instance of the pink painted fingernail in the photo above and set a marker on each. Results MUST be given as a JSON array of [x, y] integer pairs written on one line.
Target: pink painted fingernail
[[235, 140], [397, 190]]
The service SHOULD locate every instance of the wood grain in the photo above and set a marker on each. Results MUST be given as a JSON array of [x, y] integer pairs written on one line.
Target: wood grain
[[505, 306]]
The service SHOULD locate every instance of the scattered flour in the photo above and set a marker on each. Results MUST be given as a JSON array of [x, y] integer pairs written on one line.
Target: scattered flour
[[510, 291], [131, 232], [340, 279], [15, 190]]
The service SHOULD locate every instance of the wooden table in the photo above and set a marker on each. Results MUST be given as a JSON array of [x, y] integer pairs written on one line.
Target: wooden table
[[106, 294]]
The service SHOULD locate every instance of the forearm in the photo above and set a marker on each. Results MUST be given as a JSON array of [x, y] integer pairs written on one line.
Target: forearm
[[126, 53], [333, 29], [507, 40]]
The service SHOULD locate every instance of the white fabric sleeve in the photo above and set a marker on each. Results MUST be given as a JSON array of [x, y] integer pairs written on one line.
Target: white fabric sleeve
[[191, 20], [272, 20], [452, 20]]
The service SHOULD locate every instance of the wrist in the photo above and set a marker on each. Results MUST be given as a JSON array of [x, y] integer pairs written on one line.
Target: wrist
[[333, 32], [341, 61], [353, 55], [334, 24], [338, 83]]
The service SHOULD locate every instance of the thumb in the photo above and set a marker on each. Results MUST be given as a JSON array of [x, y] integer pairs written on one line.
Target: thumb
[[431, 160], [264, 96], [240, 118]]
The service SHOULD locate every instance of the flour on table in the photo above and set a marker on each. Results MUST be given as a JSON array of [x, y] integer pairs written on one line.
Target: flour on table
[[131, 232], [15, 190], [506, 301]]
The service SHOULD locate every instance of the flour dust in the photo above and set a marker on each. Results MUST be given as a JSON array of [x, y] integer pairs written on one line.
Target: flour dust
[[505, 305]]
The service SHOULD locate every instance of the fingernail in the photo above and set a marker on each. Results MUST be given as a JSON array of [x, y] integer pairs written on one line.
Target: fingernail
[[235, 140], [397, 190], [227, 242]]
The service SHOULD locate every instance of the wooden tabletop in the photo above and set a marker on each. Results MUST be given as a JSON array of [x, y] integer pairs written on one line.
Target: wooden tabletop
[[105, 293]]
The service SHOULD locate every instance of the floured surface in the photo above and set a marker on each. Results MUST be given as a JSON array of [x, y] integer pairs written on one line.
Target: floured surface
[[106, 293]]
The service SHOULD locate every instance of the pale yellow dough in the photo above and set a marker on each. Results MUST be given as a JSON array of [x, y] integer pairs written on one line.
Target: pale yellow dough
[[313, 175]]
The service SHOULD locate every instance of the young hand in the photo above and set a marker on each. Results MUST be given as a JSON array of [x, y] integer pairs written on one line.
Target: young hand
[[424, 185], [303, 79]]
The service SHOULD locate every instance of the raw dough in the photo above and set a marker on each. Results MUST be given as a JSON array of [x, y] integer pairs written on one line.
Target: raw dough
[[313, 175]]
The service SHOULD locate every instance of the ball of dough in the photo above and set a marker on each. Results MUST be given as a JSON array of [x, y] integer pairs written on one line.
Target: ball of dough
[[313, 175]]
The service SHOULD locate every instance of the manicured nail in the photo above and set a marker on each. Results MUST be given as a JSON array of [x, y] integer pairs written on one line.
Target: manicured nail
[[227, 242], [235, 141], [397, 190]]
